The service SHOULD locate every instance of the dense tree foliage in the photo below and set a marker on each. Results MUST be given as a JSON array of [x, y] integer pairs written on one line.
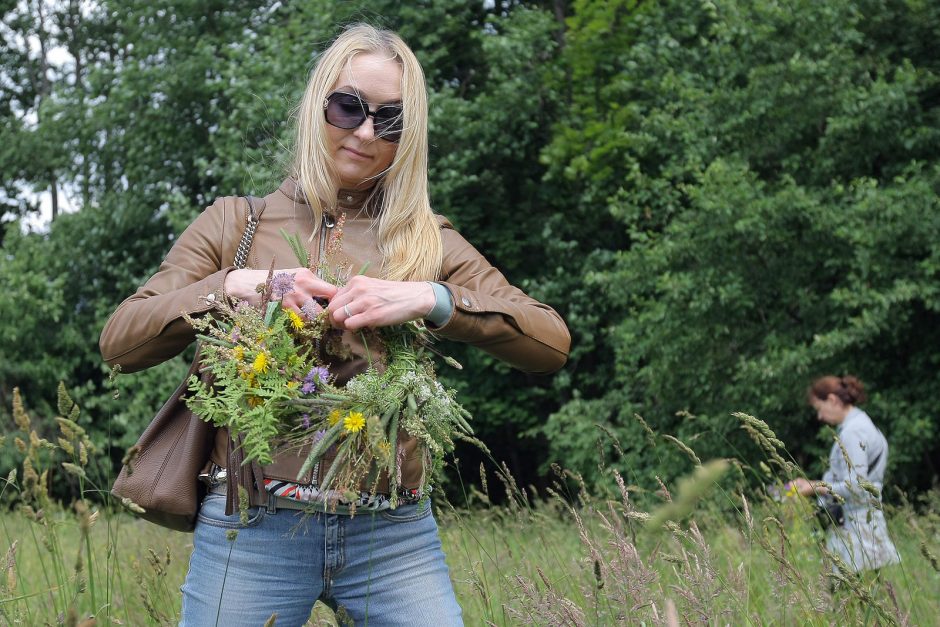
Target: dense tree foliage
[[766, 177], [722, 199]]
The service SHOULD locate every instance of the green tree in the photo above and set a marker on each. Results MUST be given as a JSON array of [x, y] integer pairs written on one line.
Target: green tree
[[721, 200], [757, 163], [180, 103]]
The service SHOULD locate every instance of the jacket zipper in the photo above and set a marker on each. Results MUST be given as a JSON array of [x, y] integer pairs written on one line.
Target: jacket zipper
[[328, 223]]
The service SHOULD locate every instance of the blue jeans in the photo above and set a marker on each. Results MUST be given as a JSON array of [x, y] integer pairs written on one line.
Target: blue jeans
[[384, 568]]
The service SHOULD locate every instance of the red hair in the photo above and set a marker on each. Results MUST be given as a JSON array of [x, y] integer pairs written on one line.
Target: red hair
[[847, 389]]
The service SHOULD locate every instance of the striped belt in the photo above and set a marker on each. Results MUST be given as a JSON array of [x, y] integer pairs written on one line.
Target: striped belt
[[274, 502]]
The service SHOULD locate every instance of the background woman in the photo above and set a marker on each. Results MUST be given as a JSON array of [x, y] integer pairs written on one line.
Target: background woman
[[360, 161], [859, 455]]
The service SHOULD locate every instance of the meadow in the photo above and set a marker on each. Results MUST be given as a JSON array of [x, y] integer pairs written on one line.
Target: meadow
[[705, 552], [511, 565]]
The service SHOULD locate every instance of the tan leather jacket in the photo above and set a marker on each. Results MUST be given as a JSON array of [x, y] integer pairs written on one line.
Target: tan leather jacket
[[148, 327]]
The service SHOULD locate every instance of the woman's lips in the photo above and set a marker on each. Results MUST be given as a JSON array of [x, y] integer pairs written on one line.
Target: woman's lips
[[355, 154]]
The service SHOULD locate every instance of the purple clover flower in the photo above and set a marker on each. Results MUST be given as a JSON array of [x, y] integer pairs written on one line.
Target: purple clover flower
[[321, 372], [282, 284], [310, 310], [305, 421], [236, 334], [318, 436], [316, 376]]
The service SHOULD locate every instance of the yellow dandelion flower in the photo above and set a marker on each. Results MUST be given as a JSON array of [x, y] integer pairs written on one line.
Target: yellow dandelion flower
[[334, 417], [244, 371], [260, 364], [254, 401], [354, 422], [291, 385], [239, 353], [295, 321]]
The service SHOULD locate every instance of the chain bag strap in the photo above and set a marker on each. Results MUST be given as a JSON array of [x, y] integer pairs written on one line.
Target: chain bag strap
[[236, 473], [241, 253]]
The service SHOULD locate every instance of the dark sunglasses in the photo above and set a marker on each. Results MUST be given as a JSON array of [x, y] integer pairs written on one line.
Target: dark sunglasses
[[348, 111]]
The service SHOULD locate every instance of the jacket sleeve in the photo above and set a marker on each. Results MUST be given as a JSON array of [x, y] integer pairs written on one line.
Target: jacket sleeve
[[495, 316], [148, 327]]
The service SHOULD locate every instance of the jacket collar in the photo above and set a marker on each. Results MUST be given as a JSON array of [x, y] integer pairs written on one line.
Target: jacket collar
[[347, 199], [854, 414]]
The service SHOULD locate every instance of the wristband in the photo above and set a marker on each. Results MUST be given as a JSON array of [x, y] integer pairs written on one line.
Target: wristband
[[443, 305]]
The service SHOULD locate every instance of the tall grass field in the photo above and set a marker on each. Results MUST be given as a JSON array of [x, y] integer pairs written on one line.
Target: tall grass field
[[707, 551]]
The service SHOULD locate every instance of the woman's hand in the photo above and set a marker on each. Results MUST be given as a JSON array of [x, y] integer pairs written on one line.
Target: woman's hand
[[368, 302], [243, 284], [809, 488]]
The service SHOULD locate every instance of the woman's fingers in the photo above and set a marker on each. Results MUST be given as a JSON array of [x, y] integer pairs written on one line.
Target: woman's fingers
[[294, 286], [803, 486], [370, 302], [363, 302], [308, 286]]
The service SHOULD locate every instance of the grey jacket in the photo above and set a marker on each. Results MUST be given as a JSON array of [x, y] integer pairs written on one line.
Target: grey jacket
[[865, 459]]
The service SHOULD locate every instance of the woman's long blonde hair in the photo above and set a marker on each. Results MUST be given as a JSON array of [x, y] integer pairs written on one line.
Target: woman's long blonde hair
[[408, 234]]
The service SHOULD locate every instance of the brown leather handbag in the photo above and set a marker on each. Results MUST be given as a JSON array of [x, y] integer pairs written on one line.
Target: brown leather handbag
[[161, 474]]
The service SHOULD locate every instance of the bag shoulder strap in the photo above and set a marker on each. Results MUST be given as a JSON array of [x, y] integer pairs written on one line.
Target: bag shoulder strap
[[236, 475], [255, 208]]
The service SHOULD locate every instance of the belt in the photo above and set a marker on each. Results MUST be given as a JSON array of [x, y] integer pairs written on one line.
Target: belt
[[274, 502], [215, 478], [405, 496]]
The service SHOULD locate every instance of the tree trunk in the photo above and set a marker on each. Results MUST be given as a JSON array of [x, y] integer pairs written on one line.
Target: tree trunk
[[44, 88], [54, 190], [73, 20]]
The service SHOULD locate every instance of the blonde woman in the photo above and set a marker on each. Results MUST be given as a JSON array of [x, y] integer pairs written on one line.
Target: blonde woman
[[861, 455], [360, 153]]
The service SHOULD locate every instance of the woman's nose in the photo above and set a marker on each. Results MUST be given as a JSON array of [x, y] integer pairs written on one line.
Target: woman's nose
[[366, 131]]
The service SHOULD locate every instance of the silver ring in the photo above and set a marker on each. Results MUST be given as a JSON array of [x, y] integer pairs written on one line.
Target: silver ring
[[346, 309]]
